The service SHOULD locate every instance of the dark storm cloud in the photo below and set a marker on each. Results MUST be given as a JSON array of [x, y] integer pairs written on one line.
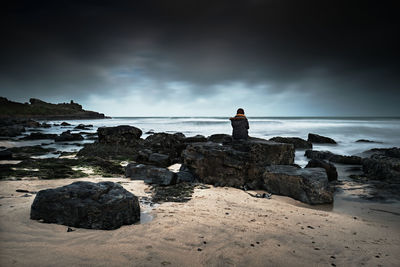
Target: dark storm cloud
[[74, 49]]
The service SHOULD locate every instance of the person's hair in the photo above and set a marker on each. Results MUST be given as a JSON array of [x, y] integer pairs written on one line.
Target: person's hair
[[240, 111]]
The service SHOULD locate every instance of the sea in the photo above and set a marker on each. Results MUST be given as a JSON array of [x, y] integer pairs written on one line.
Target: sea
[[350, 195]]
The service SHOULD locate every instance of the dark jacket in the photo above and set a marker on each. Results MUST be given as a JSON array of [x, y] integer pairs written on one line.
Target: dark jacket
[[240, 126]]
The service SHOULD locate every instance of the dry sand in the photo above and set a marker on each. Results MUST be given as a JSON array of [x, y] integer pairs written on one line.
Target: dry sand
[[218, 227]]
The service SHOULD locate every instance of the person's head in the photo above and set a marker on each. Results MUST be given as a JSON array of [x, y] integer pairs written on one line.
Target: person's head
[[240, 111]]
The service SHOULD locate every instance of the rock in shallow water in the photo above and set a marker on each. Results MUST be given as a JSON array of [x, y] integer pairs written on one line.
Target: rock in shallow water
[[104, 205], [296, 141], [315, 138], [329, 168], [121, 135], [307, 185]]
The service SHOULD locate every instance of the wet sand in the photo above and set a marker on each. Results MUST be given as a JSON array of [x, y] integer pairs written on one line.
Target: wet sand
[[218, 227]]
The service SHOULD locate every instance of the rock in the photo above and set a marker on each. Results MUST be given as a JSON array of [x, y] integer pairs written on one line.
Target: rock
[[109, 151], [39, 136], [235, 164], [308, 185], [160, 160], [367, 141], [25, 152], [315, 138], [121, 135], [185, 175], [68, 136], [45, 125], [327, 155], [151, 131], [329, 168], [196, 139], [383, 164], [220, 138], [168, 144], [297, 142], [65, 124], [32, 124], [5, 155], [83, 127], [12, 130], [104, 205], [150, 174]]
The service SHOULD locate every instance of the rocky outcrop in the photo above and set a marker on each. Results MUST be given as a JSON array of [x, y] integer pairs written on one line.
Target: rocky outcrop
[[119, 135], [235, 164], [39, 109], [65, 124], [196, 139], [150, 174], [220, 138], [329, 168], [327, 155], [296, 141], [319, 139], [308, 185], [68, 136], [104, 205], [83, 127], [171, 145]]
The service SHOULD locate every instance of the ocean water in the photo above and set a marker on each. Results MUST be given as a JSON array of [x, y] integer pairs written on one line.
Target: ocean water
[[345, 131]]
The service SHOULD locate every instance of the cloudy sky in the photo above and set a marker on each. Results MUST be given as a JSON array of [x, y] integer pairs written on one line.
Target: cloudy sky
[[204, 58]]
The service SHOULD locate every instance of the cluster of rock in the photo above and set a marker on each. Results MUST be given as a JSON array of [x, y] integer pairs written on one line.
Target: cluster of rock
[[104, 205]]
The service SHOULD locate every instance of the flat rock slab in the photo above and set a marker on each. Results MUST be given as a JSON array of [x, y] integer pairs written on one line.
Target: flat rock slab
[[150, 174], [104, 205], [308, 185]]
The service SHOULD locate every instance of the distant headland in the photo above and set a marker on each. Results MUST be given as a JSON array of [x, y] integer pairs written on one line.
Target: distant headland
[[38, 109]]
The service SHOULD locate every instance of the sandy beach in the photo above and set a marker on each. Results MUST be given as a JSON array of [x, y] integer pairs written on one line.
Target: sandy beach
[[219, 226]]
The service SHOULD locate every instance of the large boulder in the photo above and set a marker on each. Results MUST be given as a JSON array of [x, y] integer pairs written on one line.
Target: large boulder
[[68, 136], [329, 168], [150, 174], [104, 205], [315, 138], [237, 163], [327, 155], [307, 185], [383, 164], [296, 141], [159, 159], [167, 144], [119, 135]]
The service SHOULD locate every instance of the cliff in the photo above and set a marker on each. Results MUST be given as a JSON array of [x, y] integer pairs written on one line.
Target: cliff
[[38, 109]]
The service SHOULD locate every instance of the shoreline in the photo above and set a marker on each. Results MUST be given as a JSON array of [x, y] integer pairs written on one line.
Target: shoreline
[[226, 224]]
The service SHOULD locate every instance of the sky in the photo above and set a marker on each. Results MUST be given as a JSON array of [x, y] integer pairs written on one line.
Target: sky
[[204, 58]]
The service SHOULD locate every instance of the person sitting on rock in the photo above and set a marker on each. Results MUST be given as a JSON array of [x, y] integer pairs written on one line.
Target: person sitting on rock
[[240, 125]]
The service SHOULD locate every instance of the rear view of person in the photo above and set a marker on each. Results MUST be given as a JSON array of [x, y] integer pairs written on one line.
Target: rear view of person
[[240, 125]]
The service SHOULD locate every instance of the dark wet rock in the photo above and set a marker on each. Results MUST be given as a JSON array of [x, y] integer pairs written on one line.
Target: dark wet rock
[[104, 205], [196, 139], [45, 125], [185, 175], [31, 124], [167, 144], [296, 141], [150, 174], [65, 124], [68, 136], [220, 138], [329, 168], [367, 141], [25, 152], [235, 164], [11, 130], [315, 138], [39, 136], [308, 185], [5, 155], [393, 152], [383, 164], [119, 135], [83, 127], [160, 160], [327, 155], [150, 132]]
